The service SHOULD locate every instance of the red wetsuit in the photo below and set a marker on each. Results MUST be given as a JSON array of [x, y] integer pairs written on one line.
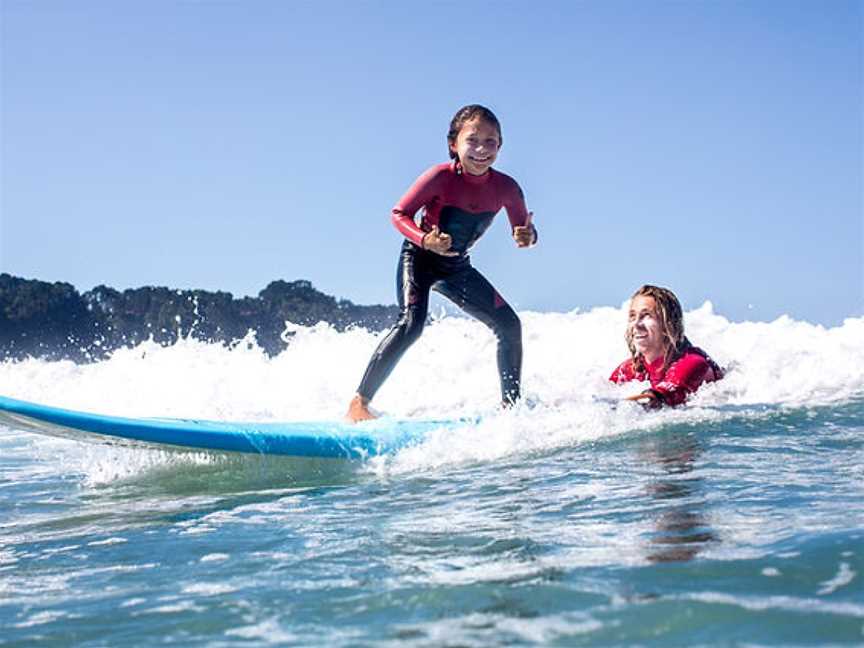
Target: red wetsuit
[[462, 206], [683, 377]]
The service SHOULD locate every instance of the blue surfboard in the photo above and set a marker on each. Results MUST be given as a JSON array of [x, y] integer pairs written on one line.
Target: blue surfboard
[[324, 439]]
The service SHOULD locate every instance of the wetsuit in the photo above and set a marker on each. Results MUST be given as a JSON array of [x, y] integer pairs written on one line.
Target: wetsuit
[[683, 377], [462, 206]]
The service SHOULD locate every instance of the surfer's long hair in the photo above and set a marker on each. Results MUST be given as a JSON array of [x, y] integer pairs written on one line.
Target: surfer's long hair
[[463, 116], [671, 318]]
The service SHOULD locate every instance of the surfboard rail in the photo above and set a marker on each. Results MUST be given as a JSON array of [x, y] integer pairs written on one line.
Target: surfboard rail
[[323, 439]]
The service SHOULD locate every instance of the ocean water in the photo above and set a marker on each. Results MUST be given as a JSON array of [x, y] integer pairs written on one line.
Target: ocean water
[[572, 520]]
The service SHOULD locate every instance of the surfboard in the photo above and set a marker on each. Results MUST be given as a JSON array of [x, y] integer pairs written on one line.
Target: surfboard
[[322, 439]]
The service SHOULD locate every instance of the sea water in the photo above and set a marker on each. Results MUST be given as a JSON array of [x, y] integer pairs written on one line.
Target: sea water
[[574, 519]]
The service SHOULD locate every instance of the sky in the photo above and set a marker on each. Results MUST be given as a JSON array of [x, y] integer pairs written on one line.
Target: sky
[[713, 147]]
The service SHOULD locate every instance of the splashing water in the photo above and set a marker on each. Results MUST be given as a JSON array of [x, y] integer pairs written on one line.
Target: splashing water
[[451, 373]]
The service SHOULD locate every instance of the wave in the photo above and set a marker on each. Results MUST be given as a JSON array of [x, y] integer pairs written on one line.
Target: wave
[[451, 373]]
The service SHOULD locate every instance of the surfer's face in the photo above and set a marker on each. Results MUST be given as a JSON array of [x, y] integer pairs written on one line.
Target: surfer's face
[[477, 146], [645, 329]]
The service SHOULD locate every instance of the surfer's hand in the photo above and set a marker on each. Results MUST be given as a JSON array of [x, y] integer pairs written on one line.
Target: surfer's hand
[[525, 235], [438, 242], [647, 399]]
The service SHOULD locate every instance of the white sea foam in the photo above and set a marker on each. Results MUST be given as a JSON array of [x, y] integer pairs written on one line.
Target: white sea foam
[[843, 577], [450, 372]]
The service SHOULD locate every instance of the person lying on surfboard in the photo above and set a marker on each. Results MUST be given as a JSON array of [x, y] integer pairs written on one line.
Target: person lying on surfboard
[[660, 352], [458, 199]]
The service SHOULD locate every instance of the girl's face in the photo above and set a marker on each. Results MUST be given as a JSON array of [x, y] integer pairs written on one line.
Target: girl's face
[[477, 146], [644, 327]]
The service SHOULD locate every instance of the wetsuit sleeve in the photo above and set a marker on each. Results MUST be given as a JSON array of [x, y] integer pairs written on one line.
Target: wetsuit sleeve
[[623, 373], [683, 378], [423, 192], [514, 203]]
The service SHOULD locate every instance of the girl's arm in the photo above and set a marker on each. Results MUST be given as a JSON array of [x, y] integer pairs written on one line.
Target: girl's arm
[[524, 232], [623, 373], [422, 192], [683, 378]]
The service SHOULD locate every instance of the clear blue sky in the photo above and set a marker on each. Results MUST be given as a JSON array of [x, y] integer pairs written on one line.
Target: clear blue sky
[[712, 147]]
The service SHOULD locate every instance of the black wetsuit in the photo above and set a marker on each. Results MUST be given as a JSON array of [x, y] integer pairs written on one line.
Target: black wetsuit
[[462, 206]]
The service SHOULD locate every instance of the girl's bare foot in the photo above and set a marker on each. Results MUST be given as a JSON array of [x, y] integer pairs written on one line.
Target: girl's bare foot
[[358, 410]]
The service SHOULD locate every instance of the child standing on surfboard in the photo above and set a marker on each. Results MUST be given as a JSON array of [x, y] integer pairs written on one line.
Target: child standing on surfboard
[[459, 199]]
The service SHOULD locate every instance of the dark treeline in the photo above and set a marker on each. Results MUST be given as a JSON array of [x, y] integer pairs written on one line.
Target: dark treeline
[[54, 321]]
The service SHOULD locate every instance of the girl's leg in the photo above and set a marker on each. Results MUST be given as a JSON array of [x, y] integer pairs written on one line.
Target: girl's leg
[[473, 293], [412, 287]]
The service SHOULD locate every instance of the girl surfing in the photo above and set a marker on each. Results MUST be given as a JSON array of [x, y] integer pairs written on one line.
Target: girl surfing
[[458, 199]]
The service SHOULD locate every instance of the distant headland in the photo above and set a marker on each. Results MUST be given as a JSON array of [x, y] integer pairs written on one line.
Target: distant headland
[[54, 321]]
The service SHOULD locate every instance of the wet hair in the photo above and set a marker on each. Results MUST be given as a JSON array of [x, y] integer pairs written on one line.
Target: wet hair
[[671, 318], [463, 116]]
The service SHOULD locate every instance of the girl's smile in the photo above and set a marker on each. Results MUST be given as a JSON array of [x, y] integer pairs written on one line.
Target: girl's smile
[[477, 146]]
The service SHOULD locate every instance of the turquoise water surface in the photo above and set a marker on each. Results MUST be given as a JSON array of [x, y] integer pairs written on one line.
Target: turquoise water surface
[[744, 531]]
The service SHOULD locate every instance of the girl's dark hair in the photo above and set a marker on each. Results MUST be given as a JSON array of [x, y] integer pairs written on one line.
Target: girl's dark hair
[[466, 114], [671, 317]]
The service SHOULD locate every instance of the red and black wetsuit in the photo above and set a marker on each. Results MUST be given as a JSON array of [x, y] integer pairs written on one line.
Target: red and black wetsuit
[[462, 206], [683, 376]]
